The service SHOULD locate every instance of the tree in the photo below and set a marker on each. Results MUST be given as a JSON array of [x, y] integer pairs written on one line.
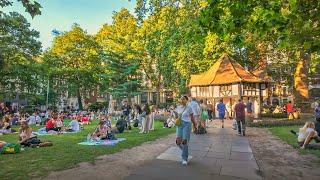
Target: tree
[[19, 49], [172, 43], [291, 26], [121, 60], [75, 60]]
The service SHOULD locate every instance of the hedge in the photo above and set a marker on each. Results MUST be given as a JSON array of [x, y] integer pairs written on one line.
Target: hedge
[[274, 123], [274, 115]]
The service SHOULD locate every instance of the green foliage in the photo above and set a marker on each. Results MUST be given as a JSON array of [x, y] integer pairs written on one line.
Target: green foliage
[[74, 63], [19, 47], [276, 123], [274, 115], [32, 7]]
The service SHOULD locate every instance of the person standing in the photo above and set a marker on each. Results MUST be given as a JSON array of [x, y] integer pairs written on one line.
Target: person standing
[[204, 114], [196, 111], [249, 107], [126, 110], [185, 113], [152, 116], [240, 116], [145, 119], [289, 109], [221, 107]]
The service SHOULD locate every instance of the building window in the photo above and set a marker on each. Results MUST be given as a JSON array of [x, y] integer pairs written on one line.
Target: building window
[[226, 90], [249, 89]]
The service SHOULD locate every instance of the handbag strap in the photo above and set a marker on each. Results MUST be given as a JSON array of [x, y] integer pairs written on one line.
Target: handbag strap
[[182, 112]]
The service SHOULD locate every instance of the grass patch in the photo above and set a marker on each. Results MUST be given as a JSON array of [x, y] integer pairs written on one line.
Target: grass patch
[[65, 152], [284, 134]]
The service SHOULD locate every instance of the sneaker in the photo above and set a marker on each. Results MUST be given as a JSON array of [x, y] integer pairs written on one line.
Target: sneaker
[[293, 132], [184, 163]]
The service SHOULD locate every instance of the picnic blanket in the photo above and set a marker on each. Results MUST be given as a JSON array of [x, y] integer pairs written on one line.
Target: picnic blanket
[[103, 142], [43, 132]]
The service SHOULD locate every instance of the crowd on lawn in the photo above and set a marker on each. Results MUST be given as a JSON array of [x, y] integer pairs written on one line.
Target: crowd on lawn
[[194, 116]]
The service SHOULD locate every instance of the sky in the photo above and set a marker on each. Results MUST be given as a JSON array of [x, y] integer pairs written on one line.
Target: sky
[[61, 14]]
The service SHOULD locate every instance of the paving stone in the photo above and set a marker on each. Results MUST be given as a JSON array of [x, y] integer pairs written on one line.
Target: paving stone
[[218, 155], [242, 172], [241, 148], [238, 163], [173, 150], [241, 156]]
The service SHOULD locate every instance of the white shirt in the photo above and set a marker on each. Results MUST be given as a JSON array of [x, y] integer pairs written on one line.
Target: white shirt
[[31, 120], [186, 112], [195, 108], [303, 135]]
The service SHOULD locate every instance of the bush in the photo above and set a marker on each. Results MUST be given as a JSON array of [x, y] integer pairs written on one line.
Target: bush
[[164, 105], [274, 115], [274, 123]]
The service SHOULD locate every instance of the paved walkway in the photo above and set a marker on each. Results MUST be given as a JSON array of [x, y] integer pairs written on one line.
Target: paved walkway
[[220, 154]]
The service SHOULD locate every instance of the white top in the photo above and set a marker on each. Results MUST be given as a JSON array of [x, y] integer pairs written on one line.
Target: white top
[[74, 125], [31, 120], [195, 108], [303, 135], [186, 113]]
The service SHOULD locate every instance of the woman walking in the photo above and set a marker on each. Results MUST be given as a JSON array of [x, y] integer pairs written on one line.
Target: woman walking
[[184, 129]]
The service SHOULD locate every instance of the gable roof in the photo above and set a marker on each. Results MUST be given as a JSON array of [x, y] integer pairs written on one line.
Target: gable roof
[[224, 71]]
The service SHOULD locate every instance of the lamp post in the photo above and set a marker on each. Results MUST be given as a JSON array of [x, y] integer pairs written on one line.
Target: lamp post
[[47, 100]]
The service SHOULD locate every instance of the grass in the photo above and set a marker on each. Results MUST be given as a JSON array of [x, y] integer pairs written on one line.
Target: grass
[[284, 134], [65, 152]]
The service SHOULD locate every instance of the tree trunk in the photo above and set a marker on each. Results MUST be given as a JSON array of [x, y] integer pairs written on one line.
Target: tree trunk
[[79, 99], [301, 82], [158, 90]]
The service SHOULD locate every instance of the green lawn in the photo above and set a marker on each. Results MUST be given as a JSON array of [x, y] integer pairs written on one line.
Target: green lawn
[[285, 134], [65, 152]]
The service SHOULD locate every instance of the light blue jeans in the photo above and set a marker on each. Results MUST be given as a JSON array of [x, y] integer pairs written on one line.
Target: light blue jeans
[[183, 132]]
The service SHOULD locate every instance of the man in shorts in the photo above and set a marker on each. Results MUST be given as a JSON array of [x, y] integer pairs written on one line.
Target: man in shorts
[[221, 107]]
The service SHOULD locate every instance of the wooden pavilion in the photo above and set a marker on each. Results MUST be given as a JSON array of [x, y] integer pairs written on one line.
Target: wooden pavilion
[[229, 81]]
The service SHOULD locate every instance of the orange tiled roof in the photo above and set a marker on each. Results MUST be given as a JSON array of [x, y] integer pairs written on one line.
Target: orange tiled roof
[[224, 71]]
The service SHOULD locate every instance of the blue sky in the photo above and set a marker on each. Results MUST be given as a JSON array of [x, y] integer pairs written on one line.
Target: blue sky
[[61, 14]]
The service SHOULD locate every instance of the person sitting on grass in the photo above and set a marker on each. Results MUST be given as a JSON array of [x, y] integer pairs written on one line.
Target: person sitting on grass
[[120, 125], [2, 144], [26, 138], [6, 128], [51, 124], [58, 124], [74, 125], [306, 134], [100, 132]]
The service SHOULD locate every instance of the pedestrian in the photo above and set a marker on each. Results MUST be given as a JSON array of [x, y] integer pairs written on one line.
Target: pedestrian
[[221, 107], [249, 107], [289, 109], [185, 113], [145, 119], [196, 111], [240, 116]]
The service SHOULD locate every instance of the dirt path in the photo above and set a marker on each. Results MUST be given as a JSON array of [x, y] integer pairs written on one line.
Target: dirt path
[[278, 160], [118, 165]]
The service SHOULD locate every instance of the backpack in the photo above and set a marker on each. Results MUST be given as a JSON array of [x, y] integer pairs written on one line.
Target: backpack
[[201, 130], [11, 149], [136, 123], [110, 136]]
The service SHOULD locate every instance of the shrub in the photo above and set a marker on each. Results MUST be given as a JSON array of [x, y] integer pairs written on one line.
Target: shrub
[[97, 105], [274, 115], [274, 123]]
